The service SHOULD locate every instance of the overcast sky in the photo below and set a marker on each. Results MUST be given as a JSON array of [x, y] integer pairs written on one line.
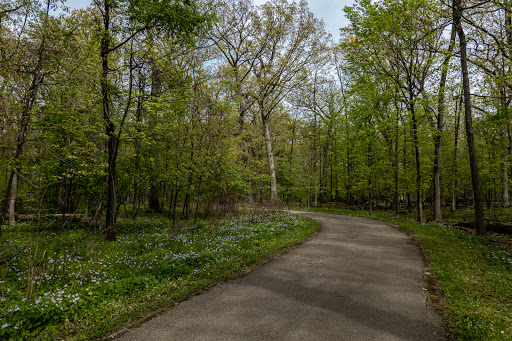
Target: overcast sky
[[330, 10]]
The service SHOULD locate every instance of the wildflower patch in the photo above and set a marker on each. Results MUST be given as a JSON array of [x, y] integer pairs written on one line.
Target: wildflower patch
[[71, 283]]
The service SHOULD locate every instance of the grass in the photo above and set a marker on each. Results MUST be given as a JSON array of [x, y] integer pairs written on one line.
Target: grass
[[475, 274], [69, 284]]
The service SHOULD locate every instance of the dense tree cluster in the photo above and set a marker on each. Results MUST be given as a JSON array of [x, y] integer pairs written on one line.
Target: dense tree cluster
[[187, 108], [432, 66]]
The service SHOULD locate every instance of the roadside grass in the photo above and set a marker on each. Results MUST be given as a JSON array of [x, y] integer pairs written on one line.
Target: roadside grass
[[69, 284], [475, 274]]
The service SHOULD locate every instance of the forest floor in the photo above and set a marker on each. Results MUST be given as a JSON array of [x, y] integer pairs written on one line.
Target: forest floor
[[498, 232], [64, 282]]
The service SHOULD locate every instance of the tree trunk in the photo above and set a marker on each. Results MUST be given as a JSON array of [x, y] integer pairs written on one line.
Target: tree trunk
[[154, 196], [315, 167], [455, 154], [325, 173], [395, 169], [135, 207], [270, 158], [242, 109], [331, 174], [156, 89], [370, 168], [349, 175], [197, 199], [137, 150], [438, 140], [370, 198], [505, 201], [475, 179], [186, 204], [315, 202], [419, 191], [110, 218], [12, 200], [504, 194]]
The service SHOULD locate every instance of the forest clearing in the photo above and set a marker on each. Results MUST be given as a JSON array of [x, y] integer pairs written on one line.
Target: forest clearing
[[173, 132]]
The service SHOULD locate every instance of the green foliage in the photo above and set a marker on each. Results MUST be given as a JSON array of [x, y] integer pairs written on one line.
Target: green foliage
[[188, 114], [82, 281], [187, 17]]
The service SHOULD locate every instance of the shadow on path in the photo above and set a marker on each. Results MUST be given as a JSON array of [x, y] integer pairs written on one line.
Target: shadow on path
[[356, 280]]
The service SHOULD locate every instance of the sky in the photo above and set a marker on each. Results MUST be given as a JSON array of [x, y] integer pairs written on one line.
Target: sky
[[331, 11]]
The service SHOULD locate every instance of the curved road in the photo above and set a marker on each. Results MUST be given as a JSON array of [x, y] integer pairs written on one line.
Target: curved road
[[358, 279]]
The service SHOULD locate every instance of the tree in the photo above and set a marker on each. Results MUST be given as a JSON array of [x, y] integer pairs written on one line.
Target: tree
[[321, 99], [233, 36], [470, 136], [30, 49], [490, 27], [438, 135], [292, 37], [177, 18], [403, 54]]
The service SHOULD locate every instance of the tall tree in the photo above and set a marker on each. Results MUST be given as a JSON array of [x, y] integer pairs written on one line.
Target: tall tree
[[179, 18], [458, 10], [233, 36], [292, 37], [438, 135], [403, 54], [491, 30], [34, 60]]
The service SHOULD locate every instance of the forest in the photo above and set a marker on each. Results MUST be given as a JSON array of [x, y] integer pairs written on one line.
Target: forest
[[188, 110]]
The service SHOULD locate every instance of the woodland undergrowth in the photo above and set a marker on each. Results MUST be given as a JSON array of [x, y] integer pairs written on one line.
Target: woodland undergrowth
[[67, 283]]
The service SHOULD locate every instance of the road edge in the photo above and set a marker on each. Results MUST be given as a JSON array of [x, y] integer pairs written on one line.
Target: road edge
[[238, 274]]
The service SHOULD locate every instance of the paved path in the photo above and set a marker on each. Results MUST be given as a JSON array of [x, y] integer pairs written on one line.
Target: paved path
[[358, 279]]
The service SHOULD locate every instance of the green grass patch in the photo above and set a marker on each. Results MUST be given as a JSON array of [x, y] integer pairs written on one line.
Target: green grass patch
[[70, 284], [475, 274]]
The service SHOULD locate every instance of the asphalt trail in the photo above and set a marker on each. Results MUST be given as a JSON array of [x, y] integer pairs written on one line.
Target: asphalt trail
[[358, 279]]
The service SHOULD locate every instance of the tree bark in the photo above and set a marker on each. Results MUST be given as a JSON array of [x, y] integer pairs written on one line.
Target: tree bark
[[12, 200], [455, 154], [110, 218], [505, 200], [475, 179], [197, 199], [438, 138], [270, 157], [396, 198], [419, 190], [137, 147], [154, 191], [370, 167], [325, 174], [315, 158]]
